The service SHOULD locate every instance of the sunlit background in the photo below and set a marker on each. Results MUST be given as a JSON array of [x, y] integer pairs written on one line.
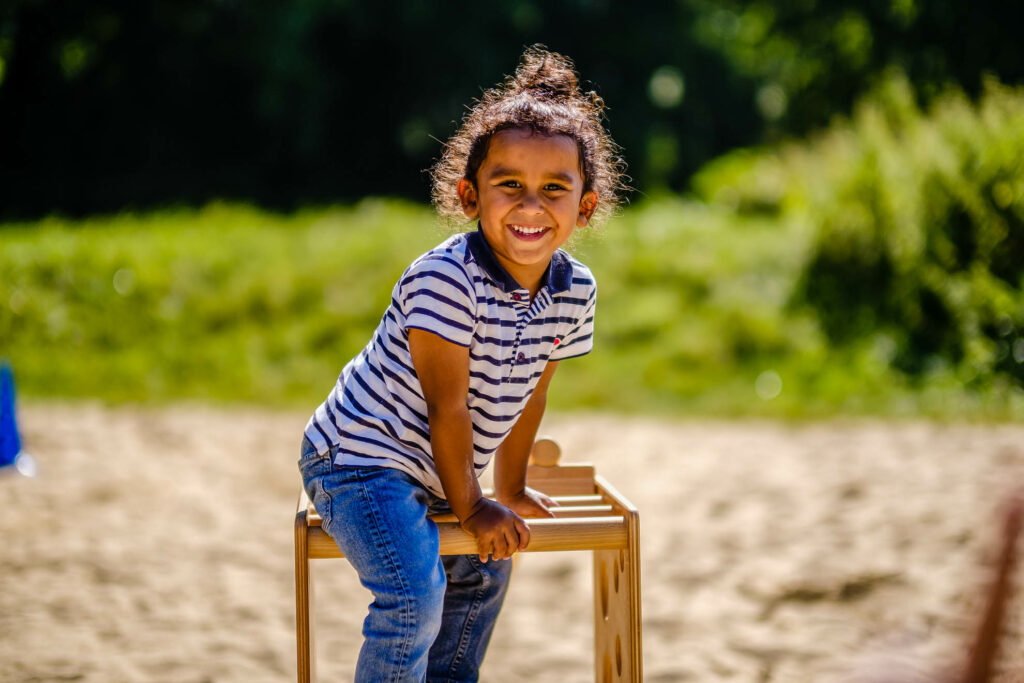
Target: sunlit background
[[212, 200], [205, 204]]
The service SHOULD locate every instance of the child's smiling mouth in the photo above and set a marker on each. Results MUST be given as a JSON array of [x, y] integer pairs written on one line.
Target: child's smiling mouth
[[528, 232]]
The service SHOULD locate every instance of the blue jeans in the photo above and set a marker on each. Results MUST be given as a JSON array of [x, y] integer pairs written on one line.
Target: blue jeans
[[431, 616]]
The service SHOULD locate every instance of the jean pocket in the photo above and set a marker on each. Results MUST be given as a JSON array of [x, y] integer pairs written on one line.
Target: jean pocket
[[314, 467], [307, 450]]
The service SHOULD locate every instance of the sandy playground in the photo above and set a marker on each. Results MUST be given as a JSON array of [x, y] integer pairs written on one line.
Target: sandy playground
[[156, 545]]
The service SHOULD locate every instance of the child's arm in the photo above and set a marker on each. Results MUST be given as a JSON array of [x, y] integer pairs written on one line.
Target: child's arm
[[443, 370], [510, 469]]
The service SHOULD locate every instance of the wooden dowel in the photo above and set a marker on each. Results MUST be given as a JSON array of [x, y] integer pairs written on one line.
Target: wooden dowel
[[569, 506], [593, 533], [579, 500], [583, 511], [559, 513]]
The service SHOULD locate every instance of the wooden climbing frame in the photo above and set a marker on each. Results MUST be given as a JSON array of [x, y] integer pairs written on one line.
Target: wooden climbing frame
[[591, 515]]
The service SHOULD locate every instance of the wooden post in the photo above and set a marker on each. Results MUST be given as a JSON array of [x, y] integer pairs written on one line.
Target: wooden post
[[305, 637], [617, 622]]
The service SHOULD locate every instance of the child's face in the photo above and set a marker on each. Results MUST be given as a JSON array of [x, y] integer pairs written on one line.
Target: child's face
[[529, 198]]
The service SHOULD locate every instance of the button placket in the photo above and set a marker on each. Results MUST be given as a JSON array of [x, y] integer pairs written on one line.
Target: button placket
[[521, 299], [526, 311]]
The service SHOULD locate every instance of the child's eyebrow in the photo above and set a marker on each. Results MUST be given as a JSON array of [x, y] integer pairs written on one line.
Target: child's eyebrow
[[502, 171]]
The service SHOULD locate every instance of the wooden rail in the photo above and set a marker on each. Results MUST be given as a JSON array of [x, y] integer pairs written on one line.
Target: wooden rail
[[590, 533]]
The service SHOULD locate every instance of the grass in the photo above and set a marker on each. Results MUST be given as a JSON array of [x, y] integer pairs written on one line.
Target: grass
[[229, 303]]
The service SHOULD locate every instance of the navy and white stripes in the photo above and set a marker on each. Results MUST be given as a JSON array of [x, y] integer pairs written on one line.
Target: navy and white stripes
[[376, 412]]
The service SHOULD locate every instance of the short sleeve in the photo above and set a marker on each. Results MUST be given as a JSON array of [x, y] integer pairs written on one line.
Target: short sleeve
[[435, 295], [580, 340]]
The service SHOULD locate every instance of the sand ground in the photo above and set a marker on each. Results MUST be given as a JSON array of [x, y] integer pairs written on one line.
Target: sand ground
[[156, 545]]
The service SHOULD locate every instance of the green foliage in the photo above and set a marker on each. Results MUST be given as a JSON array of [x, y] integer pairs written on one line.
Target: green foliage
[[875, 268], [224, 303], [109, 104], [230, 303], [812, 60], [919, 222]]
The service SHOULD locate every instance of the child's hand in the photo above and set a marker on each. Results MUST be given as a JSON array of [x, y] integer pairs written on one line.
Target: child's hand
[[528, 503], [499, 531]]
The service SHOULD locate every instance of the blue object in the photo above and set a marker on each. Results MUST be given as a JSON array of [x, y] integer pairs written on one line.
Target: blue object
[[10, 442]]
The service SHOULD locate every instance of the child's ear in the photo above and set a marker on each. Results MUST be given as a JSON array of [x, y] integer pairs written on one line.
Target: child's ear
[[468, 198], [588, 204]]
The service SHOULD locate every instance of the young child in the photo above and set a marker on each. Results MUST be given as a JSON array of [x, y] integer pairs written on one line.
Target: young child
[[458, 371]]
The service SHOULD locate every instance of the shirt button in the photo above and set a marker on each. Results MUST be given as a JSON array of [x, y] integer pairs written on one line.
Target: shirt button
[[521, 358]]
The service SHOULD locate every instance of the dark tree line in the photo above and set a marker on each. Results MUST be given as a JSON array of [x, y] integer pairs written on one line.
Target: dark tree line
[[110, 104]]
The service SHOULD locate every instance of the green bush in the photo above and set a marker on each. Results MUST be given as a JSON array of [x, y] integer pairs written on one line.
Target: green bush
[[919, 228], [225, 303], [232, 303], [875, 268]]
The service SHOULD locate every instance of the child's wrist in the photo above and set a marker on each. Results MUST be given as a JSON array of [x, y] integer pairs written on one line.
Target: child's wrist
[[510, 493], [466, 511]]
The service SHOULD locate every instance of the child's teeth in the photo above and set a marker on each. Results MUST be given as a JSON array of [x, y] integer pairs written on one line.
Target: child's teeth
[[527, 231]]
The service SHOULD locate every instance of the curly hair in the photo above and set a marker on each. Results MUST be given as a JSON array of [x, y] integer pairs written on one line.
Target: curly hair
[[543, 96]]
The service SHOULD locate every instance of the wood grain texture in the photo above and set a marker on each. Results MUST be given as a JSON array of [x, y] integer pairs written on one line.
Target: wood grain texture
[[546, 535], [305, 649], [618, 654], [592, 515]]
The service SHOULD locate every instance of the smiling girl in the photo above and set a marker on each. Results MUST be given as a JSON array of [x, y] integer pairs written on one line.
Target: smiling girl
[[458, 373]]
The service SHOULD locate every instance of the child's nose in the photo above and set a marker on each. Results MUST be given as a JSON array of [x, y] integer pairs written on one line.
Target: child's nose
[[532, 203]]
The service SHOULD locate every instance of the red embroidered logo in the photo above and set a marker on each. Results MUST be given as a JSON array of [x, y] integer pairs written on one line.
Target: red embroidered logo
[[557, 341]]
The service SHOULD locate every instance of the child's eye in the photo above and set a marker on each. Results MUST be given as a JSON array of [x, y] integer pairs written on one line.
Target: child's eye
[[510, 183], [554, 187]]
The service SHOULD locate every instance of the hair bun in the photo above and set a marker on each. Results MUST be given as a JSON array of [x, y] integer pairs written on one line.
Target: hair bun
[[545, 72]]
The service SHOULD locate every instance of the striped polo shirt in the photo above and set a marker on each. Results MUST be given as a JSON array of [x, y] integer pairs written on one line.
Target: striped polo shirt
[[376, 413]]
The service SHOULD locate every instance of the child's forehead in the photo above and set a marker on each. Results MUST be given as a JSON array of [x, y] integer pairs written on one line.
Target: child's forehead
[[522, 149]]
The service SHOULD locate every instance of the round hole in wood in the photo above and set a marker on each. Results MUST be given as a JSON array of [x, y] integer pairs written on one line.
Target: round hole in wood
[[606, 674], [618, 655], [604, 590]]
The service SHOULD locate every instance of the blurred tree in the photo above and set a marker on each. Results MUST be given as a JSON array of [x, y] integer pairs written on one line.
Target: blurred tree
[[814, 58], [117, 103], [917, 224]]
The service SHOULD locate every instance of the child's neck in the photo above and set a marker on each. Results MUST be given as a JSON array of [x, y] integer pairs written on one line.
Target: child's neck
[[531, 282], [529, 278], [534, 287]]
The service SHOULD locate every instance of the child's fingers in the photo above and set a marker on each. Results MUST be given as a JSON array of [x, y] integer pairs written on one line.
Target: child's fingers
[[513, 538], [502, 545], [484, 547], [544, 510], [524, 533], [505, 544]]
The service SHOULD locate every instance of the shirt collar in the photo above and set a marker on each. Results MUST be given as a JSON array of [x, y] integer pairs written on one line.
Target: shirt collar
[[558, 276]]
